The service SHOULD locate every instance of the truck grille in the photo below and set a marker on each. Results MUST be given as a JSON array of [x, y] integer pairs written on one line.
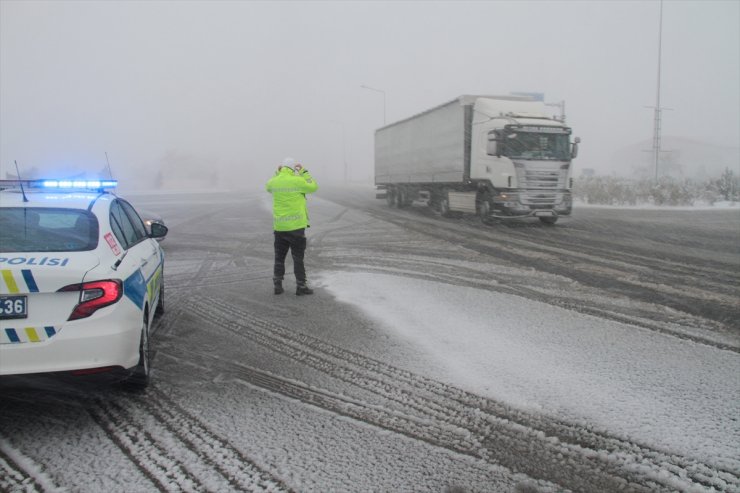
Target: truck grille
[[530, 177], [544, 200]]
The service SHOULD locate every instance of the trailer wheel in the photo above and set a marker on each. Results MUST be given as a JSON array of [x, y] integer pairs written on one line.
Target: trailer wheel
[[401, 198], [549, 220], [390, 197], [444, 207]]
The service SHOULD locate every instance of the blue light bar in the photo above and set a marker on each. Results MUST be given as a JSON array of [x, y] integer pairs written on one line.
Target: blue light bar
[[77, 184]]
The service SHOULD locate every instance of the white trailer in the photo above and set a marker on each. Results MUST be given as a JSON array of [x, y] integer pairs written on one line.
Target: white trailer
[[495, 156]]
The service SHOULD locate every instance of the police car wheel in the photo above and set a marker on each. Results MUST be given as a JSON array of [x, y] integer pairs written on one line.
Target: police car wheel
[[139, 379]]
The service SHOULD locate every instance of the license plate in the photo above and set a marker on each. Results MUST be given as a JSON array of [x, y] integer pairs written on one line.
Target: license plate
[[13, 307], [544, 213]]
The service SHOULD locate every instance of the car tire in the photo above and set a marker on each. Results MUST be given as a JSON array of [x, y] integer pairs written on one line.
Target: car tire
[[139, 379]]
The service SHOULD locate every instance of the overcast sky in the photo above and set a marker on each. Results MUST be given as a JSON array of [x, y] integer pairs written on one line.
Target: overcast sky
[[235, 86]]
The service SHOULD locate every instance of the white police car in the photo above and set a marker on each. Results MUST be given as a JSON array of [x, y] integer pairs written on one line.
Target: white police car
[[80, 281]]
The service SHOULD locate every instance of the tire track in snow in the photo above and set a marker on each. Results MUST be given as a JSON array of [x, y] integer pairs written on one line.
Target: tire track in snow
[[565, 296], [15, 478], [20, 473], [471, 424], [705, 301], [151, 458], [174, 450], [630, 274], [240, 471]]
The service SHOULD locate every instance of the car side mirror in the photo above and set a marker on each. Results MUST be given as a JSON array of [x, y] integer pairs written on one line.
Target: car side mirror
[[158, 230]]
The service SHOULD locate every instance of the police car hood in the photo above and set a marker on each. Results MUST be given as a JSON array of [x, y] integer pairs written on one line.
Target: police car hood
[[44, 272]]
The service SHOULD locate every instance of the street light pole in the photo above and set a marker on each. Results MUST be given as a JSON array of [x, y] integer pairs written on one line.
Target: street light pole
[[380, 91]]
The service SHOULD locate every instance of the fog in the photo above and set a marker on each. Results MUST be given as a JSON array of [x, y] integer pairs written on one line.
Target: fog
[[182, 93]]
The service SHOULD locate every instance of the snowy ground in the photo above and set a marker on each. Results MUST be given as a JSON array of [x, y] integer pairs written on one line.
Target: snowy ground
[[648, 387], [698, 206], [436, 355]]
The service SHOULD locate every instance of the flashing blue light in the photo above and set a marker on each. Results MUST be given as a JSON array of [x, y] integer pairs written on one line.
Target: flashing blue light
[[81, 184]]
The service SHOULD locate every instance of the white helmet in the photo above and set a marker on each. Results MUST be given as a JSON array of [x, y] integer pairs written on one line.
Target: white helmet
[[289, 162]]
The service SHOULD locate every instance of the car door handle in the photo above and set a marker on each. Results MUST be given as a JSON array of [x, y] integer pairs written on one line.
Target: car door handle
[[144, 262]]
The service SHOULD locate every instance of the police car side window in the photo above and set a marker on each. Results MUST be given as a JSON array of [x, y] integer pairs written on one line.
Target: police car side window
[[119, 218], [116, 227], [136, 221]]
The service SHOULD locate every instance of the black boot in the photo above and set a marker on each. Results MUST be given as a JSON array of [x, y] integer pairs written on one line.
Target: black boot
[[278, 287], [302, 289]]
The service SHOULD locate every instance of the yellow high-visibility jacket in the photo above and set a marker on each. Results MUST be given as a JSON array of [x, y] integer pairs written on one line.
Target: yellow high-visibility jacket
[[289, 211]]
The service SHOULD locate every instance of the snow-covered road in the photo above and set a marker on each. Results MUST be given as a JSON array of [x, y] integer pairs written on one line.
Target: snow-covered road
[[647, 387], [434, 356]]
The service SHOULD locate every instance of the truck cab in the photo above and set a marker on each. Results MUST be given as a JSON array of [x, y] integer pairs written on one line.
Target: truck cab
[[525, 156]]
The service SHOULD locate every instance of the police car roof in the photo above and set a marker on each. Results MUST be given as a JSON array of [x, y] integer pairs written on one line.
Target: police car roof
[[68, 199]]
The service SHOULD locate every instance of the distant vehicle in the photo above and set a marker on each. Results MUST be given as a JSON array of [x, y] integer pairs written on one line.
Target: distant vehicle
[[494, 156], [81, 280], [150, 218]]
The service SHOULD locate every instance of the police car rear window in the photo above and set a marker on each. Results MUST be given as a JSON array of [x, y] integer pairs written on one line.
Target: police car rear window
[[47, 230]]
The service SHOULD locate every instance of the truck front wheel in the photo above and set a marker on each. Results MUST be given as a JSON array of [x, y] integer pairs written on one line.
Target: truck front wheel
[[484, 211], [549, 219]]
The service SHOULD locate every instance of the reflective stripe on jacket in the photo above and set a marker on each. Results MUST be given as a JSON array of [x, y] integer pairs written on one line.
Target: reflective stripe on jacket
[[289, 191]]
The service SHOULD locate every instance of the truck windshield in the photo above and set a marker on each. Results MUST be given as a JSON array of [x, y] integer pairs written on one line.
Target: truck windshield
[[536, 145]]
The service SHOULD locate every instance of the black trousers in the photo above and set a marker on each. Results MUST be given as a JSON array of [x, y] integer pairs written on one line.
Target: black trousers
[[295, 241]]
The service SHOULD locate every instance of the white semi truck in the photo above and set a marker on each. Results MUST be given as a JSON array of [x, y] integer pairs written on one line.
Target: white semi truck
[[494, 156]]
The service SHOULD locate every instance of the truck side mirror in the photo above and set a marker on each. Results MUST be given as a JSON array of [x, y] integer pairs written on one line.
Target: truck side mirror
[[574, 147], [492, 147]]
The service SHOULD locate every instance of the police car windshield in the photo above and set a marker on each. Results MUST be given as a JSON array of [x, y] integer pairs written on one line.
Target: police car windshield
[[47, 230]]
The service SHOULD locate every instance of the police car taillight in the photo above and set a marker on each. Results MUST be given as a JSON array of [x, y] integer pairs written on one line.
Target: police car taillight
[[94, 296]]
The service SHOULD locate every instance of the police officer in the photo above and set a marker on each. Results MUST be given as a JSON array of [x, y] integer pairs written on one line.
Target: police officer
[[289, 187]]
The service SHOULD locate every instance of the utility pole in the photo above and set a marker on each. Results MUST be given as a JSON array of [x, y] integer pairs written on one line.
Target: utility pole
[[658, 110]]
